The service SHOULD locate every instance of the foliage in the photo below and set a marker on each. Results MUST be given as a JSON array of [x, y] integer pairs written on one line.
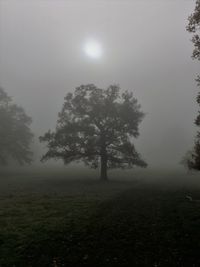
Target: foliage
[[194, 26], [193, 161], [96, 125], [15, 134]]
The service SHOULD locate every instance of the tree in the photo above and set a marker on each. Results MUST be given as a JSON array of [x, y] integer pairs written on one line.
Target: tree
[[193, 162], [194, 27], [15, 134], [96, 126]]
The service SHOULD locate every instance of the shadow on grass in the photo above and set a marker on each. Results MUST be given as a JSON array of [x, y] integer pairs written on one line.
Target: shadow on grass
[[144, 226]]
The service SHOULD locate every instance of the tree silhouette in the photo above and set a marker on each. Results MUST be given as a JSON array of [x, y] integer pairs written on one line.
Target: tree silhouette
[[193, 162], [96, 126], [15, 134]]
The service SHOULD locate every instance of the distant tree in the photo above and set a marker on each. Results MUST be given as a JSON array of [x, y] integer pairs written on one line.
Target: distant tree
[[97, 127], [193, 161], [15, 134]]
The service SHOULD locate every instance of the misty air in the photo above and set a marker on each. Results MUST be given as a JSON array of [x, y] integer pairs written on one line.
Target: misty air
[[99, 133]]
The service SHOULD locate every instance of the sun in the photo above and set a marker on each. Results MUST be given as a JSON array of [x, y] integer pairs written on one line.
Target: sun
[[93, 49]]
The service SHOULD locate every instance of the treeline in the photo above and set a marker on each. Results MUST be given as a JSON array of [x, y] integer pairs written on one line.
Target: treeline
[[95, 125]]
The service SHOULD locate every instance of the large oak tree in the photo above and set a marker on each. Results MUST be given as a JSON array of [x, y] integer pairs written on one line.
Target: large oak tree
[[15, 134], [97, 126]]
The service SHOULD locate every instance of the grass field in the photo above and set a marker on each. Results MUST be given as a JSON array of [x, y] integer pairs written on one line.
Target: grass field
[[69, 218]]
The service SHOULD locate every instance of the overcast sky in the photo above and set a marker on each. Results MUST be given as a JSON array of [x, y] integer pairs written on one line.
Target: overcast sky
[[146, 49]]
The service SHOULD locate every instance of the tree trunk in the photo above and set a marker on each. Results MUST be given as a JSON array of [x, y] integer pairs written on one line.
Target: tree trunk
[[104, 176]]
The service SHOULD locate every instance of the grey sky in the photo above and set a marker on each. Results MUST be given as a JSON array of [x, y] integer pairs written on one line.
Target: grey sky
[[146, 49]]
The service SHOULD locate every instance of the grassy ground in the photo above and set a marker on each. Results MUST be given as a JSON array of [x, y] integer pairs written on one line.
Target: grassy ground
[[57, 219]]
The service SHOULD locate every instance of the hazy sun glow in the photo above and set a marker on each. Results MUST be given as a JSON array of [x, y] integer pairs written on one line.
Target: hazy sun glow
[[93, 49]]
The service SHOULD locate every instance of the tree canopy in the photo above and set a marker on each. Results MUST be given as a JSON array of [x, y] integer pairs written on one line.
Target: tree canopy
[[193, 162], [15, 134], [97, 126], [194, 27]]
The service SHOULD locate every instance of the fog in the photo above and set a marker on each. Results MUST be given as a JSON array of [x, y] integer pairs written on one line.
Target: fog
[[146, 49]]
